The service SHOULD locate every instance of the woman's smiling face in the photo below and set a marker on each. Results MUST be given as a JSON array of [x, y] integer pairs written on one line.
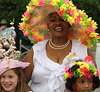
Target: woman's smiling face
[[57, 26]]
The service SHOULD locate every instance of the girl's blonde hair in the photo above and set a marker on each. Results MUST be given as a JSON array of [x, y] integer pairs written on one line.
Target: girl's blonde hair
[[21, 83]]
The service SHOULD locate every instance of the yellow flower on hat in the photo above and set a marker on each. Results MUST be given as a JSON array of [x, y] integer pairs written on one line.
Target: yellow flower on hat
[[24, 18], [71, 3], [81, 73], [35, 2], [94, 24], [66, 76], [93, 34], [81, 63], [95, 71], [81, 12], [55, 2], [63, 7], [85, 65], [23, 25], [29, 9], [89, 44], [71, 20], [76, 63], [82, 22], [37, 34], [26, 32], [73, 8], [89, 19], [76, 13]]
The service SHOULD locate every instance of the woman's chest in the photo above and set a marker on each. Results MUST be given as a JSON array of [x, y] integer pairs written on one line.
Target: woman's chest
[[58, 56]]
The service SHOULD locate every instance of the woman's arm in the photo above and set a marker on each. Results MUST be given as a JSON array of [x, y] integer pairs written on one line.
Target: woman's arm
[[28, 70]]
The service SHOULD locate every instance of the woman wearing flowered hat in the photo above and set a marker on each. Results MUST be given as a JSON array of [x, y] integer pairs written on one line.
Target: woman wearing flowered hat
[[59, 28]]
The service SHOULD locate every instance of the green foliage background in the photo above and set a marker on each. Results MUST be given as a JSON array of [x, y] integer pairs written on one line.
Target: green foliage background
[[10, 9], [92, 8]]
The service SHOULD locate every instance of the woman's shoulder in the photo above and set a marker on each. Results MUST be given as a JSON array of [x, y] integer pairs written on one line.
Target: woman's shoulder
[[75, 41], [41, 43]]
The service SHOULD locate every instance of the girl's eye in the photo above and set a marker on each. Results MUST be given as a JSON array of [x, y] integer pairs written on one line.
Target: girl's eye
[[90, 81], [81, 81], [2, 76], [10, 76]]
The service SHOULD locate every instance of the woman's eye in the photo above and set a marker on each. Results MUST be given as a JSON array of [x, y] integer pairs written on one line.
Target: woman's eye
[[52, 20], [61, 19]]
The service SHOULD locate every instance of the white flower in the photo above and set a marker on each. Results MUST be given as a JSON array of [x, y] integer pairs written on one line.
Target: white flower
[[12, 27], [2, 50], [12, 23], [0, 46], [6, 44]]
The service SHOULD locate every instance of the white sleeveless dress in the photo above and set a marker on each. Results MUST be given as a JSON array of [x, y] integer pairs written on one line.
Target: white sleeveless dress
[[47, 75]]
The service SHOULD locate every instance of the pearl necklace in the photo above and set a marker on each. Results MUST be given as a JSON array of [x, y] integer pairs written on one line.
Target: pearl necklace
[[53, 46]]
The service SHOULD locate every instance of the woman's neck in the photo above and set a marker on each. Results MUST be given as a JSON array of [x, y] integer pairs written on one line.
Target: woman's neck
[[59, 41]]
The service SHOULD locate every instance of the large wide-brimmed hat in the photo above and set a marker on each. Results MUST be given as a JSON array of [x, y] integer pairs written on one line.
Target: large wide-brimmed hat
[[34, 21], [3, 21]]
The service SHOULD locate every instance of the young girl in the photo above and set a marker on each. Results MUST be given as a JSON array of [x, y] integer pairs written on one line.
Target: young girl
[[81, 76], [12, 78]]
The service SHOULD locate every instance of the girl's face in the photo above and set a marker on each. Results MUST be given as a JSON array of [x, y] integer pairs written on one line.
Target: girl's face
[[9, 81], [57, 26], [84, 84]]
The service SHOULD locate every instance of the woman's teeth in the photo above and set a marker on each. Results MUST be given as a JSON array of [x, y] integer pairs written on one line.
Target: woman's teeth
[[58, 28]]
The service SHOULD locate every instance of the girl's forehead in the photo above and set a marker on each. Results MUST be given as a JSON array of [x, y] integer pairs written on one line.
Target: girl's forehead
[[9, 72], [83, 78]]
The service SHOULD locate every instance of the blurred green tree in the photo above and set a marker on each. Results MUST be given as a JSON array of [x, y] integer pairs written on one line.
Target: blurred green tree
[[91, 7]]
